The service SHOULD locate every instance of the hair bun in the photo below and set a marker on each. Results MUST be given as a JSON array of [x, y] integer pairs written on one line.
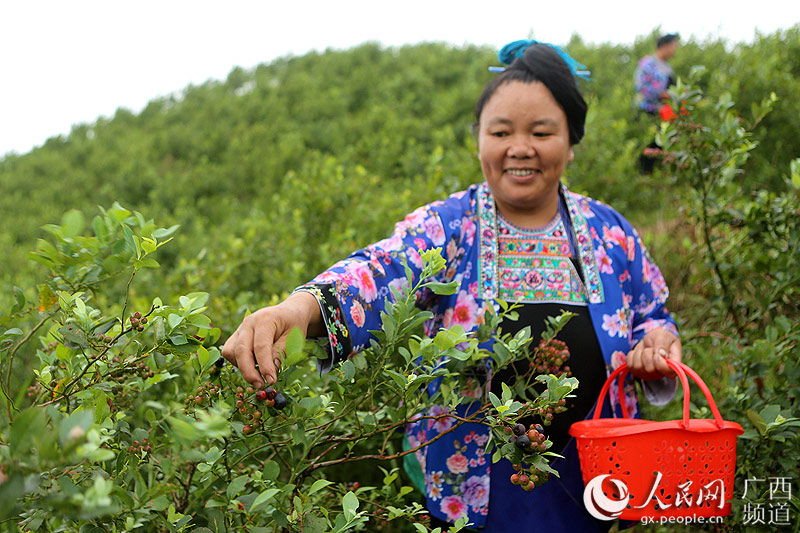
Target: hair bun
[[516, 50]]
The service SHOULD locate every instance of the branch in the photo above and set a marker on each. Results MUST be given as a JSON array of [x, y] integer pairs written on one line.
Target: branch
[[6, 387]]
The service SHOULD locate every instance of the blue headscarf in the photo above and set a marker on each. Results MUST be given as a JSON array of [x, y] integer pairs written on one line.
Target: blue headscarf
[[516, 49]]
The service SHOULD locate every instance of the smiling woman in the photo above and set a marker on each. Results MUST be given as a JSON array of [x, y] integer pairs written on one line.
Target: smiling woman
[[519, 236], [524, 147]]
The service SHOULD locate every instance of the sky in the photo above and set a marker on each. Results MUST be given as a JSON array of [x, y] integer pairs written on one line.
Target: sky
[[69, 62]]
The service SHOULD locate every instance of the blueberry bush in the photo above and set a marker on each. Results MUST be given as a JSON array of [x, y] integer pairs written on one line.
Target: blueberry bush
[[129, 418]]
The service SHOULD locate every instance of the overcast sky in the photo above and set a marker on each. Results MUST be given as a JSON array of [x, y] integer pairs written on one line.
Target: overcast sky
[[67, 62]]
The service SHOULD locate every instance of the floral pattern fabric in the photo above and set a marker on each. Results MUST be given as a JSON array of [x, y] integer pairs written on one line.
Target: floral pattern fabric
[[652, 77], [625, 292], [534, 265]]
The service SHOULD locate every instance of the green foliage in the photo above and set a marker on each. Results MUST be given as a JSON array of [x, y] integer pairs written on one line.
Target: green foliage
[[745, 271], [132, 421], [278, 171]]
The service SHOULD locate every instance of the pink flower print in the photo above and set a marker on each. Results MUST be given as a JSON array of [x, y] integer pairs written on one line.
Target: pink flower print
[[465, 311], [473, 289], [473, 463], [468, 437], [357, 314], [327, 277], [392, 244], [447, 319], [435, 492], [468, 229], [615, 235], [452, 250], [434, 231], [533, 278], [414, 258], [453, 507], [586, 211], [617, 358], [603, 261], [442, 423], [631, 249], [458, 463], [415, 219], [646, 269], [420, 243], [476, 491], [365, 282], [375, 263], [613, 325], [625, 276]]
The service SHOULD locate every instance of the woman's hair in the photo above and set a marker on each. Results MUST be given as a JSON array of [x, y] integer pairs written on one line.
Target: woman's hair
[[540, 63], [666, 39]]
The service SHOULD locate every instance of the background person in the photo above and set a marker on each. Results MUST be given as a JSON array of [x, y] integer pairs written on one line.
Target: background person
[[520, 235], [652, 78]]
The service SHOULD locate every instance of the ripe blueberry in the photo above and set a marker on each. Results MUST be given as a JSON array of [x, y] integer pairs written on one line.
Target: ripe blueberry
[[280, 400]]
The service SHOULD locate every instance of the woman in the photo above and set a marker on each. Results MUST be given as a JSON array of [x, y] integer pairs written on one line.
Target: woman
[[521, 235]]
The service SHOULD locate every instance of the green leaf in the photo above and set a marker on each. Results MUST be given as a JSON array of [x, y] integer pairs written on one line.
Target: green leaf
[[348, 370], [442, 288], [262, 498], [182, 429], [236, 486], [295, 344], [174, 321], [350, 505], [318, 485], [270, 470], [162, 233], [72, 223]]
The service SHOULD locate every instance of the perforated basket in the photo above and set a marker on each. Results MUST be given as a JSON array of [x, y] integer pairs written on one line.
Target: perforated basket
[[635, 468]]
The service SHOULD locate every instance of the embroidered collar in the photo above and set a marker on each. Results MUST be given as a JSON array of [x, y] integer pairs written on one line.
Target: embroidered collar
[[487, 254]]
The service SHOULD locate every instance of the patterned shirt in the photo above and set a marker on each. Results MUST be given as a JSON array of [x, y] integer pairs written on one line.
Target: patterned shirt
[[535, 266], [653, 76], [625, 296]]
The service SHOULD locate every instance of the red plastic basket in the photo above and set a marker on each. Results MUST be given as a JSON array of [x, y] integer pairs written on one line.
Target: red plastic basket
[[635, 468]]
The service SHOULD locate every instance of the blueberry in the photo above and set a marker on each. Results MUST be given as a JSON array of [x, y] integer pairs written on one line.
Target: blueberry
[[280, 400], [523, 442], [519, 429]]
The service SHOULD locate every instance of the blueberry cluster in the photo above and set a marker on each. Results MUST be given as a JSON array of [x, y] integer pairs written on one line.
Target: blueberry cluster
[[204, 394], [137, 447], [249, 410], [529, 440], [549, 357], [138, 321], [121, 374]]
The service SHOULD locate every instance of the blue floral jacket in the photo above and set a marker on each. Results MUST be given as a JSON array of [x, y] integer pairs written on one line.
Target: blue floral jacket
[[626, 299]]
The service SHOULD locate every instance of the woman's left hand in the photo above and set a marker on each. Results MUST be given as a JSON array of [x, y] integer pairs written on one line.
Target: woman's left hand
[[646, 359]]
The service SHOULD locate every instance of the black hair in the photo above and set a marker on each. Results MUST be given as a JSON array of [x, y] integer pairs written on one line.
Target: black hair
[[667, 39], [540, 63]]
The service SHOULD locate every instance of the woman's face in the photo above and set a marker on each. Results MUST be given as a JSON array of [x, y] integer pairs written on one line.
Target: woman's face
[[523, 144]]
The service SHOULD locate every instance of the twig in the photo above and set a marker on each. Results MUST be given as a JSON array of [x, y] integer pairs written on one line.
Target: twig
[[7, 387]]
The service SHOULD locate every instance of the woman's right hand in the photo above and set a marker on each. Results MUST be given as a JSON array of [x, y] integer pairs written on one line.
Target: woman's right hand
[[257, 346]]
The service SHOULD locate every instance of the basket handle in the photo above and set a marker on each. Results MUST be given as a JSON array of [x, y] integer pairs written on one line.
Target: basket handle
[[681, 370]]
